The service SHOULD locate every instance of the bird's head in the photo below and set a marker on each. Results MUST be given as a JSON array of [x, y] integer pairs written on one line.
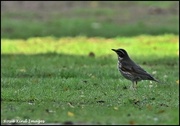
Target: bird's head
[[121, 53]]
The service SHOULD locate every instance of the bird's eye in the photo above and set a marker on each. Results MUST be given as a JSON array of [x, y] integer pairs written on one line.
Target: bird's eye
[[121, 54]]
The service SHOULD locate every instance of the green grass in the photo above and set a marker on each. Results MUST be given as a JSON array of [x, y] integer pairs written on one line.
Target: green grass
[[58, 81], [57, 65], [94, 20], [89, 27]]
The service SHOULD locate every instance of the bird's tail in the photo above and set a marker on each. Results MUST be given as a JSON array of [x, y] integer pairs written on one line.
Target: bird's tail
[[156, 80]]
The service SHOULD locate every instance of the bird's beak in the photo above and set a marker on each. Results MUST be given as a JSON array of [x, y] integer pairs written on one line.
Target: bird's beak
[[114, 50]]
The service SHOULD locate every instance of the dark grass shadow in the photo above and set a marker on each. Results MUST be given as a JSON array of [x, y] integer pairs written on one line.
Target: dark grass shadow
[[115, 31], [50, 65]]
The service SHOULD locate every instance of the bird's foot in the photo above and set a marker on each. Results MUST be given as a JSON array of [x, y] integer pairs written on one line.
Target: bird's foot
[[133, 88]]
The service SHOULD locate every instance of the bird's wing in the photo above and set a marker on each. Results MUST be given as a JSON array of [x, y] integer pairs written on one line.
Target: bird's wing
[[143, 74], [136, 70], [133, 68]]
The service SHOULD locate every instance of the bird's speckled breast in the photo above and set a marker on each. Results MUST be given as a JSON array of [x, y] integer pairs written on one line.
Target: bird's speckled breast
[[126, 74]]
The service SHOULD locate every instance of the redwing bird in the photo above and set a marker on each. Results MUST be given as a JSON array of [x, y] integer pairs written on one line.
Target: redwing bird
[[130, 70]]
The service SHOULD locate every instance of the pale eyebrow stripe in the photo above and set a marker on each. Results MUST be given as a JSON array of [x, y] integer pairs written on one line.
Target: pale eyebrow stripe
[[122, 52]]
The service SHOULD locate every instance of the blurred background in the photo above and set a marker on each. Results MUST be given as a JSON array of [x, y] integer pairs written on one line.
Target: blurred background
[[25, 19], [57, 63]]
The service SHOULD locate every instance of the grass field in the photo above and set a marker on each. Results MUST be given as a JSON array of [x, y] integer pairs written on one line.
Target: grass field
[[91, 19], [77, 81], [58, 67]]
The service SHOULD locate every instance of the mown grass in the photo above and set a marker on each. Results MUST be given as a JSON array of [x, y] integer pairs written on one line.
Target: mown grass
[[75, 80], [96, 20], [48, 74], [88, 27]]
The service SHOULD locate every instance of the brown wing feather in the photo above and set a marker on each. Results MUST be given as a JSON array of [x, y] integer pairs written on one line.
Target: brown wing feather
[[136, 70], [132, 67]]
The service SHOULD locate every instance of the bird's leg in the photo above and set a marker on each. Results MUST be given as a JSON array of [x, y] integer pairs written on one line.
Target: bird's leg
[[134, 85]]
